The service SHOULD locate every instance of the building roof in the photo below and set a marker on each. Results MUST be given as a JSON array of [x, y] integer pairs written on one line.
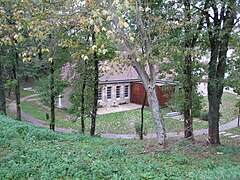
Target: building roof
[[109, 73], [117, 73]]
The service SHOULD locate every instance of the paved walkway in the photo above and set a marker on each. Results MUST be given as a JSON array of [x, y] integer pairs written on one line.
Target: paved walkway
[[120, 108], [35, 121], [222, 128], [41, 123]]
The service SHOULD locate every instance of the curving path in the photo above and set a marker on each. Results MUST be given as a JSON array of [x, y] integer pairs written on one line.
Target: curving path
[[222, 128], [41, 123], [34, 121]]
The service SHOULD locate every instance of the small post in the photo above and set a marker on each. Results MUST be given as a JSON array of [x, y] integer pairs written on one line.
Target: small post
[[47, 117], [238, 116], [238, 106]]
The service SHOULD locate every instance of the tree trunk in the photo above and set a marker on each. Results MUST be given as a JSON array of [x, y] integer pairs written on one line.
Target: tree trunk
[[213, 118], [215, 90], [17, 85], [142, 109], [95, 93], [83, 99], [158, 119], [149, 83], [52, 97], [219, 32], [2, 93], [188, 81], [187, 86]]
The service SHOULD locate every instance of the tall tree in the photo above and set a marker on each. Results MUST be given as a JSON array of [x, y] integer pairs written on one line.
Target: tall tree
[[15, 28], [90, 46], [16, 75], [220, 19], [132, 30], [52, 96], [191, 34], [95, 88]]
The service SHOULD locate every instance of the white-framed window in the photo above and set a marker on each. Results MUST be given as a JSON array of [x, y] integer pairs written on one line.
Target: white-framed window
[[109, 92], [100, 93], [118, 90], [126, 91]]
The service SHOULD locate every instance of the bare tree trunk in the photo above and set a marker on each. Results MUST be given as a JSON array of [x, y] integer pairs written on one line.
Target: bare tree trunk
[[52, 97], [142, 109], [188, 81], [17, 85], [158, 119], [149, 82], [83, 99], [188, 119], [2, 93], [95, 94], [213, 119]]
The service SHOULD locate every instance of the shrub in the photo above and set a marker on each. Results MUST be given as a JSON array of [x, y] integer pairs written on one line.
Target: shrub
[[137, 126], [204, 115], [176, 103]]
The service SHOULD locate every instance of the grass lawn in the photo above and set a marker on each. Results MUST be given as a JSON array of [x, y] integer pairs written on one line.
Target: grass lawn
[[234, 131], [227, 108], [124, 122], [28, 152], [24, 93]]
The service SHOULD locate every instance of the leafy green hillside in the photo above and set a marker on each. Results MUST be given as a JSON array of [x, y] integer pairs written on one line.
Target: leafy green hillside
[[28, 152]]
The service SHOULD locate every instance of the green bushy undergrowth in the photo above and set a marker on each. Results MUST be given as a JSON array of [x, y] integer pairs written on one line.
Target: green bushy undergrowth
[[34, 153]]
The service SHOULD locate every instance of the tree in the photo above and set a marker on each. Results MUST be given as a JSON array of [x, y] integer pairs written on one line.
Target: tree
[[95, 88], [90, 46], [132, 32], [15, 32], [220, 19], [191, 33]]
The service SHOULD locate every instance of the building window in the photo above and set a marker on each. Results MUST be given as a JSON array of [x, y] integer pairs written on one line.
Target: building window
[[100, 93], [118, 91], [126, 91], [109, 92]]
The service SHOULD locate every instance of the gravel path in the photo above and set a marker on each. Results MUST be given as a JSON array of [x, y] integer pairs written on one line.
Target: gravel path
[[41, 123]]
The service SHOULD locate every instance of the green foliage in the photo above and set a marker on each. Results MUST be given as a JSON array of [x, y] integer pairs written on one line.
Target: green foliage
[[204, 115], [43, 87], [9, 84], [35, 153], [177, 102], [115, 151]]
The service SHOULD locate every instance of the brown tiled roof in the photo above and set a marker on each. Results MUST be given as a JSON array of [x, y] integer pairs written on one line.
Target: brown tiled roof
[[109, 73], [118, 73]]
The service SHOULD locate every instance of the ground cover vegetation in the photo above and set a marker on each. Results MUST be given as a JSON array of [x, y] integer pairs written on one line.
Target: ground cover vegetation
[[35, 34], [32, 152]]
